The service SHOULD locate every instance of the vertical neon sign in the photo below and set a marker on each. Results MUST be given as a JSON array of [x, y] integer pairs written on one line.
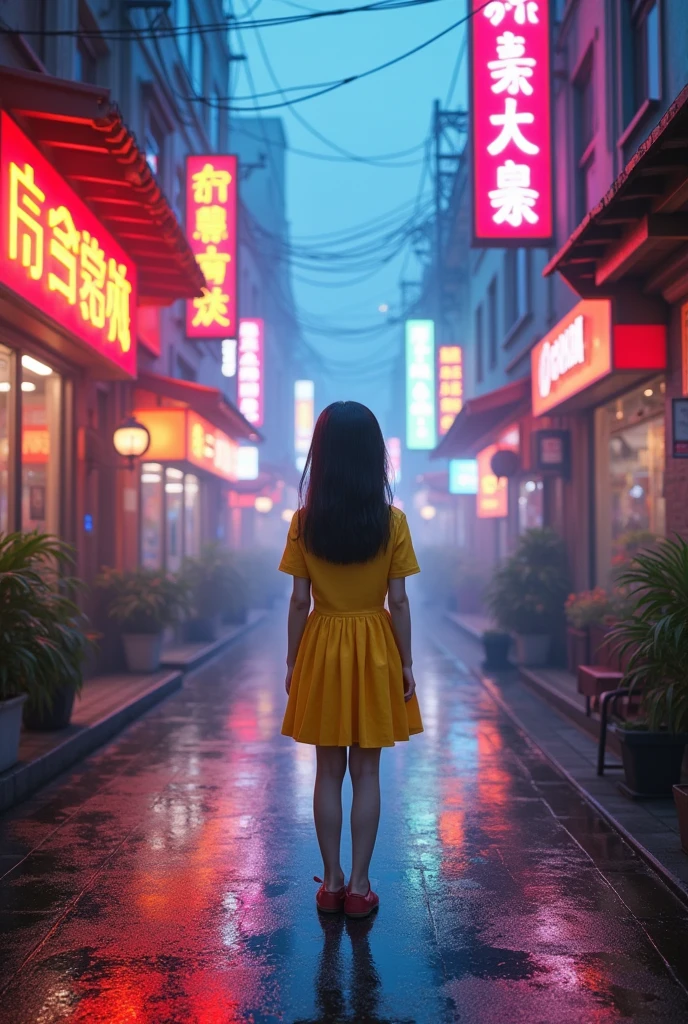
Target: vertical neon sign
[[450, 386], [250, 371], [512, 148], [421, 432], [211, 227]]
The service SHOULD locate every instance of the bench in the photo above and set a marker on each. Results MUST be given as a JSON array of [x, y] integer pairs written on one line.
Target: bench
[[594, 680]]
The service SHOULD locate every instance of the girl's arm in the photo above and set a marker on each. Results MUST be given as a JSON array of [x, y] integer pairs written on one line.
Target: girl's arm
[[299, 609], [400, 611]]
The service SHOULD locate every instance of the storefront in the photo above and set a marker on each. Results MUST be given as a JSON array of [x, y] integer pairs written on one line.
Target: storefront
[[190, 469], [72, 275], [631, 253], [602, 378]]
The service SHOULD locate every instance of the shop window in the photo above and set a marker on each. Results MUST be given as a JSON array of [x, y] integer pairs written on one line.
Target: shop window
[[516, 286], [41, 393], [636, 469], [174, 515], [531, 507], [151, 515], [192, 516], [5, 387], [479, 355]]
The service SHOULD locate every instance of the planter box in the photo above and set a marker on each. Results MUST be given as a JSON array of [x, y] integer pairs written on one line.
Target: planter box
[[58, 717], [652, 761], [533, 648], [142, 651], [577, 648], [10, 727], [681, 801]]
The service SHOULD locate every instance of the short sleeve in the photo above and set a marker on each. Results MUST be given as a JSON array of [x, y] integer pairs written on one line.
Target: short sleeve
[[293, 561], [404, 562]]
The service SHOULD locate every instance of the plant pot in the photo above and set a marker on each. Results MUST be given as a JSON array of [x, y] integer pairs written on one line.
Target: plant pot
[[142, 651], [497, 646], [57, 717], [577, 648], [10, 727], [203, 629], [681, 801], [651, 760], [532, 648]]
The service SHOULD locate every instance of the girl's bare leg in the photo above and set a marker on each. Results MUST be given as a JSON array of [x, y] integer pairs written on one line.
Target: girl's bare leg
[[364, 768], [327, 811]]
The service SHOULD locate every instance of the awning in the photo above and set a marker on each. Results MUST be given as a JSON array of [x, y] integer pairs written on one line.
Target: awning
[[482, 417], [155, 391], [638, 232], [82, 133]]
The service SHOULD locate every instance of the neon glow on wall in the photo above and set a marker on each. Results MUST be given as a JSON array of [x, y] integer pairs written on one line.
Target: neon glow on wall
[[211, 227], [511, 122], [57, 255], [250, 371], [421, 432]]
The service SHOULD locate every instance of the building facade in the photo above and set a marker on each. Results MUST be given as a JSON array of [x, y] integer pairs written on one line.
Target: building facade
[[592, 437]]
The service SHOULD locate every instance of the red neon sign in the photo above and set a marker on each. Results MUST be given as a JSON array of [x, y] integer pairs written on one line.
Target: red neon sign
[[211, 226], [510, 79], [56, 255], [449, 386], [250, 371]]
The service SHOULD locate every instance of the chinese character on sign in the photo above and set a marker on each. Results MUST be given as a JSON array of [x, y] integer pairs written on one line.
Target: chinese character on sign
[[211, 224], [511, 122], [210, 183], [513, 69], [211, 308], [514, 199], [64, 246], [24, 214], [213, 264], [525, 11]]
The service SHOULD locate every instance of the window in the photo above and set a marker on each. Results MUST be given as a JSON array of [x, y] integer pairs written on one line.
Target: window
[[86, 69], [584, 134], [151, 515], [5, 388], [531, 506], [155, 147], [646, 66], [516, 286], [197, 59], [192, 516], [492, 321], [174, 509], [479, 356], [41, 394]]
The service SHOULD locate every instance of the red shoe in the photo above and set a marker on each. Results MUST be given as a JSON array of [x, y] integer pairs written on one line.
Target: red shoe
[[329, 902], [356, 905]]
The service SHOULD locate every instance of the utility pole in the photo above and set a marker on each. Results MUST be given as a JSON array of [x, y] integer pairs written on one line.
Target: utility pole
[[449, 139]]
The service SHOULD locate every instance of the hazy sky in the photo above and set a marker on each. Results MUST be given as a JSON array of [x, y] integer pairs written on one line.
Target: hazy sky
[[385, 113]]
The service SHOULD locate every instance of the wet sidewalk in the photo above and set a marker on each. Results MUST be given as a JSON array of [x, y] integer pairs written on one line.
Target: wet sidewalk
[[166, 880]]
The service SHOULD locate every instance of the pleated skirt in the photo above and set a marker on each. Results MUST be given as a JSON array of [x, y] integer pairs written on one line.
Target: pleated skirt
[[347, 687]]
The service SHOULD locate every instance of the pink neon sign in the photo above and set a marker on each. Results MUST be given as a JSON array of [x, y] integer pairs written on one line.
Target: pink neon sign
[[250, 371], [211, 226], [512, 148]]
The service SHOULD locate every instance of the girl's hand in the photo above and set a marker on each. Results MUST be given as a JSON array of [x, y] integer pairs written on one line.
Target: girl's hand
[[409, 683], [287, 682]]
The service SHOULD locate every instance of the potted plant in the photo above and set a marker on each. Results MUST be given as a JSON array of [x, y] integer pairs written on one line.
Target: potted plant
[[211, 580], [145, 602], [654, 640], [42, 643], [497, 646], [583, 611], [527, 592]]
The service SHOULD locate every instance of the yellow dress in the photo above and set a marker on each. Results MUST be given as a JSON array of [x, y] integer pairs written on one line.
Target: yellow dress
[[347, 685]]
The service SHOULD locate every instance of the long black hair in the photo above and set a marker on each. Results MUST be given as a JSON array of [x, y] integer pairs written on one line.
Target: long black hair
[[345, 495]]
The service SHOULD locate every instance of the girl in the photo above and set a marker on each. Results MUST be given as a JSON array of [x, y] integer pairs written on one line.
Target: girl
[[349, 669]]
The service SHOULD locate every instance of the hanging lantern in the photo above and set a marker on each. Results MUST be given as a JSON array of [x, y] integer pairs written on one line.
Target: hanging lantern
[[131, 440]]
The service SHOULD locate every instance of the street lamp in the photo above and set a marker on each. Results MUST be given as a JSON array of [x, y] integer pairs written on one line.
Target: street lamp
[[428, 512], [263, 504], [131, 440]]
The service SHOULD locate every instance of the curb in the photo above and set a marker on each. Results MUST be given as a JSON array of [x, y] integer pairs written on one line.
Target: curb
[[207, 652], [24, 779], [670, 880], [20, 782]]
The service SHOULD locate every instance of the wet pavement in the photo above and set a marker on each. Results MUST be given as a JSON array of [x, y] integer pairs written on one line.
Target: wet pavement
[[166, 880]]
